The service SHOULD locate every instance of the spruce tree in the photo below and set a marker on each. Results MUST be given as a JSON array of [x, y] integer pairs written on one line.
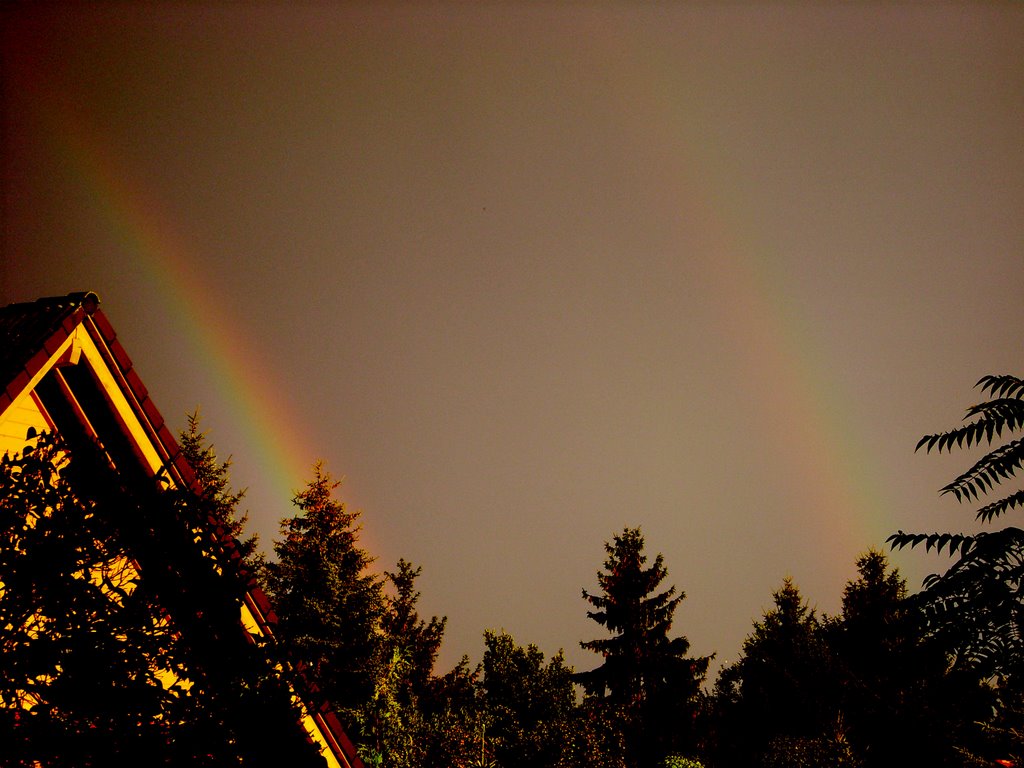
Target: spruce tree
[[646, 676], [330, 605], [901, 703], [781, 694], [392, 729], [416, 639], [214, 481]]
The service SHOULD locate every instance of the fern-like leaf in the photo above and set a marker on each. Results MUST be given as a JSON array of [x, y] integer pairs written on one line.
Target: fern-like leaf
[[937, 541], [1002, 386], [991, 511], [977, 606], [1002, 413], [989, 471], [994, 416]]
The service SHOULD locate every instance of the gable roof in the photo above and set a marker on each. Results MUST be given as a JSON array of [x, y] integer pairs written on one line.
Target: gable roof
[[42, 346]]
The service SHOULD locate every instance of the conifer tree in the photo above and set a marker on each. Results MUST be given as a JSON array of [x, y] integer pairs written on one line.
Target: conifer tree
[[416, 639], [782, 686], [214, 479], [330, 605], [901, 703], [646, 675], [393, 731]]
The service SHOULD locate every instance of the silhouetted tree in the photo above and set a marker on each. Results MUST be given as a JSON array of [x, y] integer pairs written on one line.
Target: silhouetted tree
[[120, 642], [646, 676], [330, 605], [782, 687], [418, 640], [977, 607], [528, 702], [1002, 738], [394, 732], [901, 703], [214, 478]]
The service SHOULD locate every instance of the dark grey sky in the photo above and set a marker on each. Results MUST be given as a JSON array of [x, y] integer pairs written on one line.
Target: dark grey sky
[[527, 274]]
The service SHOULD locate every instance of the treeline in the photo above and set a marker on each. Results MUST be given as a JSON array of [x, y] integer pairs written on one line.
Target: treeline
[[94, 670], [867, 687], [934, 678]]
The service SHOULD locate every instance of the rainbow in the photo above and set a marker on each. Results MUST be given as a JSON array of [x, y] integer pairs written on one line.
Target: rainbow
[[789, 371], [838, 480], [269, 426]]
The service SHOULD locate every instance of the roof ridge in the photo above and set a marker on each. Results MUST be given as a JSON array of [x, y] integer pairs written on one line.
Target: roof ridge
[[73, 299]]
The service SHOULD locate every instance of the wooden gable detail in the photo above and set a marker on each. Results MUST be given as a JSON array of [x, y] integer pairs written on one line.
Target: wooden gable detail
[[76, 376]]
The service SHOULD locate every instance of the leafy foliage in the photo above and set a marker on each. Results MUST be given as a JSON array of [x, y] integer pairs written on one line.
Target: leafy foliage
[[119, 634], [387, 725], [455, 723], [976, 606], [593, 737], [393, 730], [678, 761], [1002, 411], [526, 700], [804, 752], [55, 671]]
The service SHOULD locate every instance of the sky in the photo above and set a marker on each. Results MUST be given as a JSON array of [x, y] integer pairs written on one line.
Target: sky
[[525, 274]]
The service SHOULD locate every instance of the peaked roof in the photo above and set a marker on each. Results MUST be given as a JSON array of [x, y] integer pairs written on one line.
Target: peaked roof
[[34, 339]]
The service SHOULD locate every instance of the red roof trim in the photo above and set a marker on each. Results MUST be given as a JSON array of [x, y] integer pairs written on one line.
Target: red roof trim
[[19, 383], [136, 385], [102, 332], [36, 362], [104, 326], [123, 361], [53, 343]]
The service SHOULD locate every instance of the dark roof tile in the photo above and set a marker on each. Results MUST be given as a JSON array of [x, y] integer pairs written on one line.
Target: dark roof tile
[[152, 413], [105, 327], [52, 343], [17, 384], [120, 355], [26, 327], [141, 393]]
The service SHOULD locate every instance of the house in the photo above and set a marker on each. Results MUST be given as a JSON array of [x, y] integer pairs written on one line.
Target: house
[[63, 371]]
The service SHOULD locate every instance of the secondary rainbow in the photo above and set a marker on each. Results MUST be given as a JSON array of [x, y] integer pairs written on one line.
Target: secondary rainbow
[[838, 480]]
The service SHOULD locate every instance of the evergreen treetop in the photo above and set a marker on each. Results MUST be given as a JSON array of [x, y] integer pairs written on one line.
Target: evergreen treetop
[[214, 479], [330, 605], [646, 679], [638, 618]]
